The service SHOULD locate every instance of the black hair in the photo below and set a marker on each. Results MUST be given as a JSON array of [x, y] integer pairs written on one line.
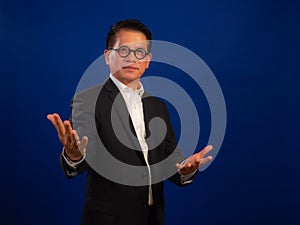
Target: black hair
[[128, 24]]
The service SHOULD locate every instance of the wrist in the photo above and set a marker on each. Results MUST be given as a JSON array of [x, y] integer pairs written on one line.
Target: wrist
[[72, 159]]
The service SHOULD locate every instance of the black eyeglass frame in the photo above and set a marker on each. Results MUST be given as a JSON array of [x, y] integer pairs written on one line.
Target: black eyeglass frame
[[129, 51]]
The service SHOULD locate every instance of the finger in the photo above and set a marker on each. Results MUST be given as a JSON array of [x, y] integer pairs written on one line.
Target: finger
[[205, 160], [193, 161], [68, 127], [188, 160], [58, 124], [180, 166], [82, 145], [76, 137], [73, 139], [52, 119], [70, 140], [188, 166], [205, 150]]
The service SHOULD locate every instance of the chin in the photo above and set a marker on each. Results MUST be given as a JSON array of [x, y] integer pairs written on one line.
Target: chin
[[130, 75]]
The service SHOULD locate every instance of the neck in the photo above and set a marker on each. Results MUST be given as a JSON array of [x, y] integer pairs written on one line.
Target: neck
[[133, 84]]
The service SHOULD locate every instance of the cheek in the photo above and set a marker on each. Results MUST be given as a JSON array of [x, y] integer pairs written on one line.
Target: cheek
[[145, 65], [115, 62]]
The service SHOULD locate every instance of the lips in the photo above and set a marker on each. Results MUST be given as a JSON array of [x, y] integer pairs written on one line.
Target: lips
[[130, 67]]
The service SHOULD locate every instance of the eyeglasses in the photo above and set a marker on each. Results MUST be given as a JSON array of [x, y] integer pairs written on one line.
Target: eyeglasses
[[124, 51]]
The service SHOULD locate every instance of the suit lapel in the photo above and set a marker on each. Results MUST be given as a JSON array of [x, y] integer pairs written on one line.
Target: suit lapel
[[119, 109]]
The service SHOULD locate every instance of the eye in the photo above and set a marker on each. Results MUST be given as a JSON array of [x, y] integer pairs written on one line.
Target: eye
[[123, 51], [140, 53]]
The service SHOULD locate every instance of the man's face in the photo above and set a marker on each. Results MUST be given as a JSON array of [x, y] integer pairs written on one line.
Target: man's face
[[128, 69]]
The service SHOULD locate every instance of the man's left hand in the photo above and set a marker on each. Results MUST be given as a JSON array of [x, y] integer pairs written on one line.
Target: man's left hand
[[195, 161]]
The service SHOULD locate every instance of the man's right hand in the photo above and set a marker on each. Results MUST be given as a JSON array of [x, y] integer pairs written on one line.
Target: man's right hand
[[73, 147]]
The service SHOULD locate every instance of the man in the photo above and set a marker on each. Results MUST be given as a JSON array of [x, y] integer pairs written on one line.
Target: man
[[99, 116]]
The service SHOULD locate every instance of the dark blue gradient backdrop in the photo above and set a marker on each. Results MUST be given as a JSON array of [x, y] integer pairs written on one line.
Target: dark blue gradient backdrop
[[251, 46]]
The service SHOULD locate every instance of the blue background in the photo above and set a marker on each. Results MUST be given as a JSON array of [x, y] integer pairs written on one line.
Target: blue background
[[251, 46]]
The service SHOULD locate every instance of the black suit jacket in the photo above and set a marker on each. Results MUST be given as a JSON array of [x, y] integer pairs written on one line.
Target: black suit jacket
[[108, 201]]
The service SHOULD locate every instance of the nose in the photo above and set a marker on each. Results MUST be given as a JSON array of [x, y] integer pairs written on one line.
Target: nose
[[131, 57]]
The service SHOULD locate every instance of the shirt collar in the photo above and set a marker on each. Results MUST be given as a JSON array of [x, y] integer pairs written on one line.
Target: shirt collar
[[123, 88]]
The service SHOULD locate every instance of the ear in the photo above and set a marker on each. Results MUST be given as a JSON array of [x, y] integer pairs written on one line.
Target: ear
[[106, 55], [149, 57]]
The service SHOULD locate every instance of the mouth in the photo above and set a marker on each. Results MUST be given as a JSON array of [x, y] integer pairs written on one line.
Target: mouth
[[130, 67]]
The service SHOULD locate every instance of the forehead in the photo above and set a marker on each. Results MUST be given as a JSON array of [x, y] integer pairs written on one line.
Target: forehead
[[130, 38]]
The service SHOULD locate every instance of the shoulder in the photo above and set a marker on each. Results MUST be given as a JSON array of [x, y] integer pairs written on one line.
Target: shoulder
[[92, 91], [84, 100]]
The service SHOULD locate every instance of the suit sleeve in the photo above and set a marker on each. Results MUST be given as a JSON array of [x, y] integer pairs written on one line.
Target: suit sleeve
[[71, 171], [83, 121], [172, 148]]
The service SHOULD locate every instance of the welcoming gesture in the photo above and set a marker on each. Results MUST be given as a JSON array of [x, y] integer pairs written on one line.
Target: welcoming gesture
[[73, 147], [120, 179], [195, 161]]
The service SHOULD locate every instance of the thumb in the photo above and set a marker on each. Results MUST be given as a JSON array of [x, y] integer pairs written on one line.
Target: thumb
[[82, 145]]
